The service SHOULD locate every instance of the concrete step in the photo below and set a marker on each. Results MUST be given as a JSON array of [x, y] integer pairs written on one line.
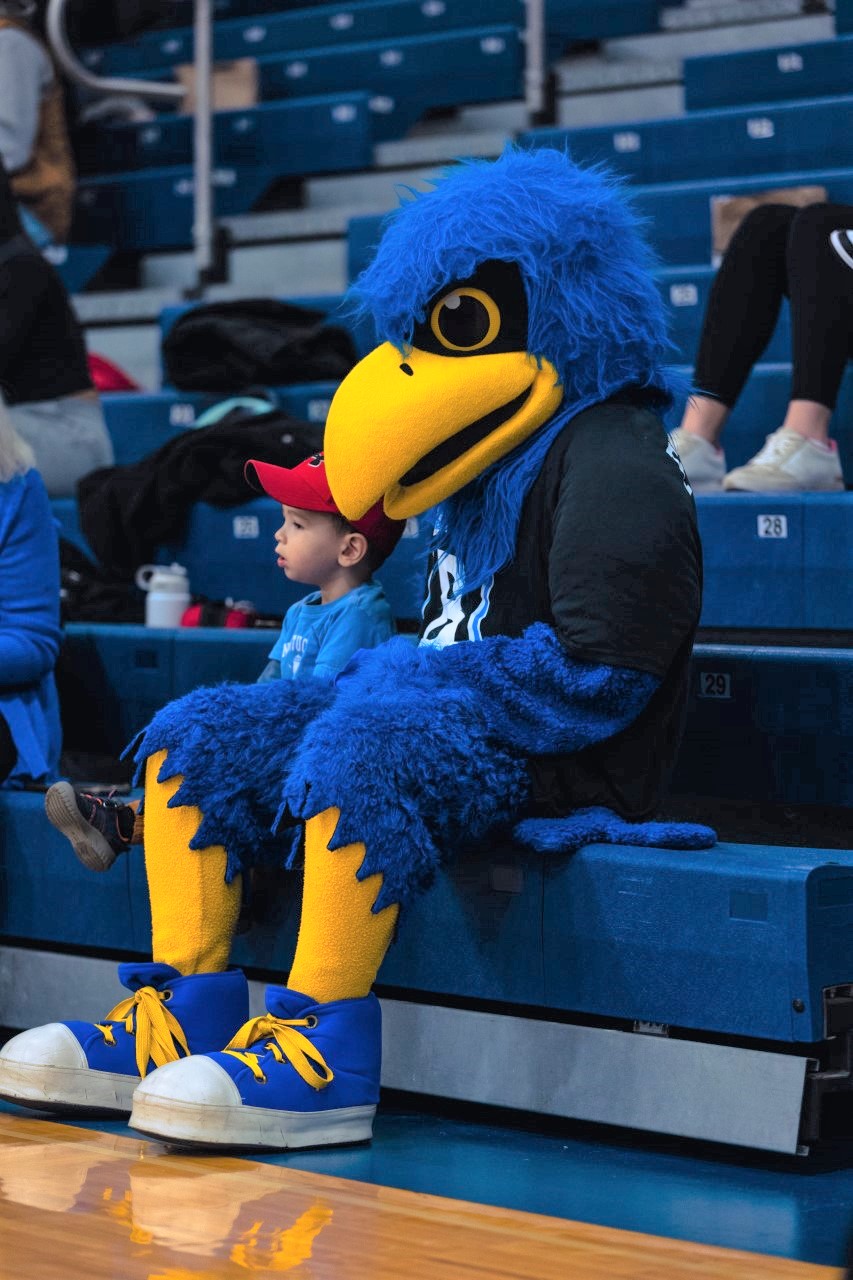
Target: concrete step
[[594, 73], [735, 36], [718, 13], [622, 106], [285, 264]]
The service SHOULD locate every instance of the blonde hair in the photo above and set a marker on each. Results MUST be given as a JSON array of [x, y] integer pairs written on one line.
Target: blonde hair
[[16, 456]]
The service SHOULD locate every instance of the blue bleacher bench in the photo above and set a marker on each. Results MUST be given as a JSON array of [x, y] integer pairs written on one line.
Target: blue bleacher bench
[[761, 551], [140, 422], [774, 923], [843, 16], [653, 960], [77, 264], [679, 212], [153, 209], [605, 20], [734, 142], [308, 135], [405, 77], [323, 26], [820, 69], [769, 725]]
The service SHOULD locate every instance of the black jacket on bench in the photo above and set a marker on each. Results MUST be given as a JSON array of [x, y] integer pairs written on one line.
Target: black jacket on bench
[[127, 512]]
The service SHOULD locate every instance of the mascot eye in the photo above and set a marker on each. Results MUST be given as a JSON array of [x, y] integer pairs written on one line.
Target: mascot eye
[[465, 320]]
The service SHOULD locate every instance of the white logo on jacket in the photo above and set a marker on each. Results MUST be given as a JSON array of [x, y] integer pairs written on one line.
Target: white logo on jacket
[[453, 618]]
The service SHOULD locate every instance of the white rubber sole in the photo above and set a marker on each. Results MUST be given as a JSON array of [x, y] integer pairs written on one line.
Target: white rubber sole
[[93, 849], [66, 1089], [193, 1124]]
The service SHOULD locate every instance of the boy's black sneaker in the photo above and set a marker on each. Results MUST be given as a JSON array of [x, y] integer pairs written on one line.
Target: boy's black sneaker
[[99, 827]]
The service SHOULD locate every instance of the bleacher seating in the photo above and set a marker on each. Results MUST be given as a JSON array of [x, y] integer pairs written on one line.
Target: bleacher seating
[[816, 70], [765, 725], [772, 562], [139, 423], [309, 135], [304, 28], [843, 16], [154, 209], [730, 143], [77, 264], [769, 725], [404, 76], [680, 211], [259, 30]]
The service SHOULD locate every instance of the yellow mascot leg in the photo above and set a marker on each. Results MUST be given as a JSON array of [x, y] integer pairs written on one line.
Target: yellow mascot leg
[[193, 911], [341, 941]]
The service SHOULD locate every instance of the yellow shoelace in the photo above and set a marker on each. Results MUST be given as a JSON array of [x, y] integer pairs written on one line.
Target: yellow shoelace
[[287, 1045], [158, 1032]]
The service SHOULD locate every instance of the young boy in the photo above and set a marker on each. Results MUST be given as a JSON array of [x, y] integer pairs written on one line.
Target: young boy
[[320, 633]]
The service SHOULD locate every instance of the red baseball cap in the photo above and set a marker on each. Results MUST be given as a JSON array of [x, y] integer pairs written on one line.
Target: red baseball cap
[[307, 488]]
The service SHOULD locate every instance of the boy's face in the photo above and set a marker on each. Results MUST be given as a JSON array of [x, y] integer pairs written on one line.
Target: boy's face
[[310, 546]]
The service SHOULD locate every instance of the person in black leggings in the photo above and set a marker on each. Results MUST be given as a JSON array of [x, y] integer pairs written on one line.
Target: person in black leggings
[[778, 251]]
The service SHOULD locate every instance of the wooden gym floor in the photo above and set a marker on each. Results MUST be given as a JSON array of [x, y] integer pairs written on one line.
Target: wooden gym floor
[[91, 1202]]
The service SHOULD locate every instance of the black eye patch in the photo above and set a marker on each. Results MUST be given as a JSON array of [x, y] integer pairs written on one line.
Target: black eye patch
[[491, 318]]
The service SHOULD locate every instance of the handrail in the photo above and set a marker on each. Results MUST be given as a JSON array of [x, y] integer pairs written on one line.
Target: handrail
[[57, 35], [204, 230], [535, 59]]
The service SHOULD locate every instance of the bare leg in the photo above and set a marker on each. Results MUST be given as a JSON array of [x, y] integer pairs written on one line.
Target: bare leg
[[705, 417], [809, 418]]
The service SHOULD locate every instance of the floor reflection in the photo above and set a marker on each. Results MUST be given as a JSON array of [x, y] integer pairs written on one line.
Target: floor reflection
[[169, 1218]]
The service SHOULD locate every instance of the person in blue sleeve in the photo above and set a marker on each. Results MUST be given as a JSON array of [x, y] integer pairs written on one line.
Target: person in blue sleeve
[[30, 734], [315, 545]]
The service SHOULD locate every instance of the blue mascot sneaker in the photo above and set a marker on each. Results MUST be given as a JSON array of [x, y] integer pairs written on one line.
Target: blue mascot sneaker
[[95, 1067], [303, 1075]]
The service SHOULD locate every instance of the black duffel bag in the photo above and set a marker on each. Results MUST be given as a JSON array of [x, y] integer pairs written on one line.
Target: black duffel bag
[[232, 346]]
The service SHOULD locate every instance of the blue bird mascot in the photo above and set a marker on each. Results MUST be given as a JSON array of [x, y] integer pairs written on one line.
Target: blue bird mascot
[[517, 395]]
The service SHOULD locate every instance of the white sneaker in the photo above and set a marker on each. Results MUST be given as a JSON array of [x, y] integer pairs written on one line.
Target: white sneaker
[[789, 463], [704, 463]]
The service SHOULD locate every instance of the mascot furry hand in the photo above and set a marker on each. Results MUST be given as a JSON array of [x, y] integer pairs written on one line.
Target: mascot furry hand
[[516, 393]]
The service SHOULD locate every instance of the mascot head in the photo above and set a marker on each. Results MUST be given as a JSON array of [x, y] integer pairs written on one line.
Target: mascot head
[[507, 298]]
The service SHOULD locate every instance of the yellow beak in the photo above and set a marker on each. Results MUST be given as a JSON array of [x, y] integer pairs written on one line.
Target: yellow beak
[[413, 430]]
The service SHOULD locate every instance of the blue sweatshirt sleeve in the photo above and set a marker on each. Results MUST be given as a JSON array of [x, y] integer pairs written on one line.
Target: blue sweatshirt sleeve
[[29, 582]]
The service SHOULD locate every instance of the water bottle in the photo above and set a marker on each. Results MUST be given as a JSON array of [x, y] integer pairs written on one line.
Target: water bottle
[[167, 593]]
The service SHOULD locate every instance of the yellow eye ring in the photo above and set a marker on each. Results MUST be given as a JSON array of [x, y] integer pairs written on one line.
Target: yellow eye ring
[[492, 311]]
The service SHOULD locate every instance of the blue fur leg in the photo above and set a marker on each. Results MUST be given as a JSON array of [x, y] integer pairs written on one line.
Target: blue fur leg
[[232, 744], [602, 826]]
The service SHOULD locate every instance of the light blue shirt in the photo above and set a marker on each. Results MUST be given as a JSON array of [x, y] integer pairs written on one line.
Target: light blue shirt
[[319, 639]]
